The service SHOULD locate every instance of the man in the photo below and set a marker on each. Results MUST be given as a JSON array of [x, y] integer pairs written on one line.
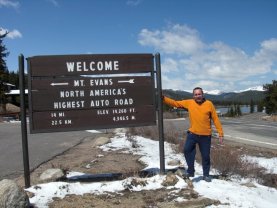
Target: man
[[201, 112]]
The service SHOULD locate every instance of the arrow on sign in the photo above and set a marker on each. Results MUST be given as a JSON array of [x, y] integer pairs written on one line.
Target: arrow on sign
[[131, 81], [59, 84]]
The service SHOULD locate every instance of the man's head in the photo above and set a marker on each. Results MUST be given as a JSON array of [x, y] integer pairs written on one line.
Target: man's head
[[198, 95]]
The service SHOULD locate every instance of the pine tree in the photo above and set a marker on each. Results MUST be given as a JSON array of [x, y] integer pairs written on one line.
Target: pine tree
[[260, 107], [270, 99], [232, 113], [238, 110], [251, 106], [4, 73], [14, 79]]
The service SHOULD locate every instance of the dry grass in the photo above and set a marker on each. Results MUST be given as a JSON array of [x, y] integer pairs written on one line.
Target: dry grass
[[274, 118], [270, 118], [229, 161]]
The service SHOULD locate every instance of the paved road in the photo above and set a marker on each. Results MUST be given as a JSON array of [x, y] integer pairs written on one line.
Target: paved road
[[42, 147], [246, 129]]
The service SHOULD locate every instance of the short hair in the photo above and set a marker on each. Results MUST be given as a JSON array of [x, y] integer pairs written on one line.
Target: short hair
[[197, 88]]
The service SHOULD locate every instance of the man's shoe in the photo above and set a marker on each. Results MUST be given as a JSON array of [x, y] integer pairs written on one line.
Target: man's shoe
[[207, 178]]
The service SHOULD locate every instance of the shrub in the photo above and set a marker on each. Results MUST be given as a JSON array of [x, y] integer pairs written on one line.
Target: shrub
[[230, 161]]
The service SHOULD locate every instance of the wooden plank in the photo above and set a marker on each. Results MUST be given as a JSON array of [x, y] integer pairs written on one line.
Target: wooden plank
[[92, 119], [52, 83], [74, 65], [89, 93]]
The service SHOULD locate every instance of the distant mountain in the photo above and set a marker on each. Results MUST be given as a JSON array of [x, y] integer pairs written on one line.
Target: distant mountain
[[177, 94], [257, 88], [214, 92], [244, 96], [218, 92]]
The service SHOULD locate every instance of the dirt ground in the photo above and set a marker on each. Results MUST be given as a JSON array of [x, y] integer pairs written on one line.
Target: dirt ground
[[88, 158]]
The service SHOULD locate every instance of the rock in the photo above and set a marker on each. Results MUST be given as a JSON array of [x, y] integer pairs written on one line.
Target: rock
[[12, 108], [51, 175], [170, 180], [199, 203], [88, 166], [120, 130], [12, 196], [138, 182], [174, 163], [249, 184], [180, 173], [190, 184], [100, 141], [189, 194]]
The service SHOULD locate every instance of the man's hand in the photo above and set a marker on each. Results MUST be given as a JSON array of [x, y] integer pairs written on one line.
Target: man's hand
[[220, 139]]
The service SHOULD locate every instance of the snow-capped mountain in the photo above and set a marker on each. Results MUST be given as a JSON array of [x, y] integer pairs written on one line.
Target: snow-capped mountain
[[256, 88], [213, 92], [218, 92]]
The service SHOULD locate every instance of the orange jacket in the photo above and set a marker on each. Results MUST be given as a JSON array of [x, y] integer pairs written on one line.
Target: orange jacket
[[200, 115]]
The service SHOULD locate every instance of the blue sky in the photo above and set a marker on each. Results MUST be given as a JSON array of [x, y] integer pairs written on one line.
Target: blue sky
[[222, 45]]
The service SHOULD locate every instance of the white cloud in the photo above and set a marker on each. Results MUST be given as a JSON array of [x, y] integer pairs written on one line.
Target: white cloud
[[211, 65], [170, 64], [54, 2], [9, 3], [3, 31], [133, 2], [174, 83], [270, 45], [14, 34], [222, 62], [267, 52], [177, 39], [250, 83], [11, 34], [207, 84]]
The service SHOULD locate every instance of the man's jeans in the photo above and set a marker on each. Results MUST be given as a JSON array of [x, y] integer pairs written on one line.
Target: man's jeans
[[204, 143]]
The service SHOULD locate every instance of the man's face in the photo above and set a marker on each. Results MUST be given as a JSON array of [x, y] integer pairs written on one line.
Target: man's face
[[198, 96]]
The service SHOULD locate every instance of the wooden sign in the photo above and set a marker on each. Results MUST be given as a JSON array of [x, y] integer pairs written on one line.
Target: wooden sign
[[78, 92]]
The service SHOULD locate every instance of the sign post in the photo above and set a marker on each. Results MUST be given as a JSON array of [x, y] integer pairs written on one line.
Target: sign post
[[160, 113], [23, 122]]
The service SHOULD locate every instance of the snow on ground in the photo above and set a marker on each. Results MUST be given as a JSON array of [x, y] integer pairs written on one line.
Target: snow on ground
[[234, 192], [270, 164], [93, 131], [46, 192]]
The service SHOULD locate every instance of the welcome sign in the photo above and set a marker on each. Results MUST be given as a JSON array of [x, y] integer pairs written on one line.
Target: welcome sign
[[77, 92]]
